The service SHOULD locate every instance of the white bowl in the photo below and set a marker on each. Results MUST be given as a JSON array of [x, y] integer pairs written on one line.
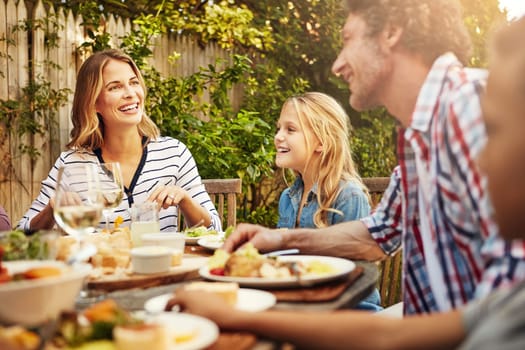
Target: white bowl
[[173, 240], [33, 302], [151, 259]]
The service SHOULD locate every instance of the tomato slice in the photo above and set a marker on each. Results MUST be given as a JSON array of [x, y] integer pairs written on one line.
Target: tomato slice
[[218, 271]]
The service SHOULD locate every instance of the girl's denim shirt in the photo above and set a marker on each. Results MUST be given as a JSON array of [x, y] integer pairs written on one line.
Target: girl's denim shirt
[[351, 201]]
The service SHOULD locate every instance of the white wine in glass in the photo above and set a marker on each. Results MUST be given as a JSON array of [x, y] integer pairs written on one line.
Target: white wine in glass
[[110, 177], [78, 199], [78, 207]]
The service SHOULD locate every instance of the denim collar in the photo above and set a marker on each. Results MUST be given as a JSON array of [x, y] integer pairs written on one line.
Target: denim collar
[[297, 188]]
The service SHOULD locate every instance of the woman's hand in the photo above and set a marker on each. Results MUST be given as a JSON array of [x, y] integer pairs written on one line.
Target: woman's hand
[[167, 196]]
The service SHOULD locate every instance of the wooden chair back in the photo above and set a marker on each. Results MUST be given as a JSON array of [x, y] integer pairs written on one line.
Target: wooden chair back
[[390, 269], [223, 193]]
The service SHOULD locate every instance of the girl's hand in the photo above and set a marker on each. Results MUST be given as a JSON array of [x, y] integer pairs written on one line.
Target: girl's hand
[[167, 196], [201, 303]]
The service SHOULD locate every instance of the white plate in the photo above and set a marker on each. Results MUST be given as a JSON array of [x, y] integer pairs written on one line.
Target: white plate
[[342, 267], [201, 331], [211, 242], [247, 300], [194, 240]]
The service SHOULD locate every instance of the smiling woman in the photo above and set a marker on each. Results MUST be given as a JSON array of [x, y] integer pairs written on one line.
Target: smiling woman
[[110, 126]]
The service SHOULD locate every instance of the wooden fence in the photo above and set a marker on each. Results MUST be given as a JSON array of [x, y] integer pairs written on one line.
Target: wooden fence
[[19, 49]]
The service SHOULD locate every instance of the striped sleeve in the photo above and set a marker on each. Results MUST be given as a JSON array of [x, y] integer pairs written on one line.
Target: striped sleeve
[[190, 180], [48, 185]]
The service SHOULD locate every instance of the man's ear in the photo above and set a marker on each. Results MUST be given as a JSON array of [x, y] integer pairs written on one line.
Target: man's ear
[[392, 35]]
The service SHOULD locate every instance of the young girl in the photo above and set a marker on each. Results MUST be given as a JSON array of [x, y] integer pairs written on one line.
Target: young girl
[[312, 141]]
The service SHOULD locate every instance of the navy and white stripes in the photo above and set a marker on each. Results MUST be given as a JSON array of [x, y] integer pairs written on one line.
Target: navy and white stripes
[[166, 161]]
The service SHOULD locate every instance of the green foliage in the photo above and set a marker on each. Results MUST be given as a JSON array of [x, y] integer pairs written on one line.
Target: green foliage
[[230, 25], [372, 144], [481, 18], [282, 48]]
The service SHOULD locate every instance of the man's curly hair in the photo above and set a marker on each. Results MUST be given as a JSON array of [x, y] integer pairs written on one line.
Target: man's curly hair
[[430, 27]]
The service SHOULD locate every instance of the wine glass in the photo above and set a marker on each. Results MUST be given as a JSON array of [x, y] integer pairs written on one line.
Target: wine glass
[[78, 199], [77, 209], [111, 184]]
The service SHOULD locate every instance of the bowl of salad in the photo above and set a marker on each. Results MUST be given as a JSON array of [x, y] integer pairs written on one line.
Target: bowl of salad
[[41, 245]]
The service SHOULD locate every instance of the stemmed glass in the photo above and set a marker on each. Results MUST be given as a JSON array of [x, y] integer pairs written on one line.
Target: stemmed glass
[[112, 188], [78, 199], [78, 206]]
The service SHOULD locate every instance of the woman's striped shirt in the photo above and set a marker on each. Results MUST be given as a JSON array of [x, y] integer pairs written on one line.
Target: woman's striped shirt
[[165, 161]]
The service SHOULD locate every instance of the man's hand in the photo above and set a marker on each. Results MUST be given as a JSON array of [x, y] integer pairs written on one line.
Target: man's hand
[[261, 237]]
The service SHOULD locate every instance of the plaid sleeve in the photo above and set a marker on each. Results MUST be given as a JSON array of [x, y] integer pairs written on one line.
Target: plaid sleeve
[[385, 222]]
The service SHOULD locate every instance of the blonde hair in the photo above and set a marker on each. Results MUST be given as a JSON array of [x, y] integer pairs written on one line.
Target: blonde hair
[[88, 127], [330, 124]]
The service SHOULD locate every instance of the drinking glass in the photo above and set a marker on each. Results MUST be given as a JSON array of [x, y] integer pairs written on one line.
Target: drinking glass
[[111, 184], [144, 219], [78, 208], [78, 200]]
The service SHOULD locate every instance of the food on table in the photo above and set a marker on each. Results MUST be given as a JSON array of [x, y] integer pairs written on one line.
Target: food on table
[[140, 337], [4, 274], [93, 345], [199, 231], [95, 323], [247, 262], [19, 246], [40, 272], [29, 274], [226, 290], [113, 249], [18, 338], [176, 258]]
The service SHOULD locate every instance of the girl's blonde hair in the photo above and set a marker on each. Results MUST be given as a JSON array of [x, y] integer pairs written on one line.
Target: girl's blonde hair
[[330, 124], [88, 127]]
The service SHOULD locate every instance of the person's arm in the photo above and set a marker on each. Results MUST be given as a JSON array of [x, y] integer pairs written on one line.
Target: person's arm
[[5, 223], [44, 220], [193, 212], [40, 214], [355, 330], [330, 330], [188, 192], [349, 240]]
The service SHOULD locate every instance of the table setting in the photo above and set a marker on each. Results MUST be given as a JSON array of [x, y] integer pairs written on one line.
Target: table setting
[[109, 288]]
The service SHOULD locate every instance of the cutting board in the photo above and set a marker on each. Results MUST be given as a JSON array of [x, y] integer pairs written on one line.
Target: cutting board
[[188, 270], [322, 292]]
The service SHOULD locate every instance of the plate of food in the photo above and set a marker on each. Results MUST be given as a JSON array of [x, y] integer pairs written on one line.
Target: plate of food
[[244, 299], [192, 235], [106, 325], [248, 268]]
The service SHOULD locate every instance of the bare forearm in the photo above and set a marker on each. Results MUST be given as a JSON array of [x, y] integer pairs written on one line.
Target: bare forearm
[[43, 220], [194, 213], [349, 240], [356, 330]]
